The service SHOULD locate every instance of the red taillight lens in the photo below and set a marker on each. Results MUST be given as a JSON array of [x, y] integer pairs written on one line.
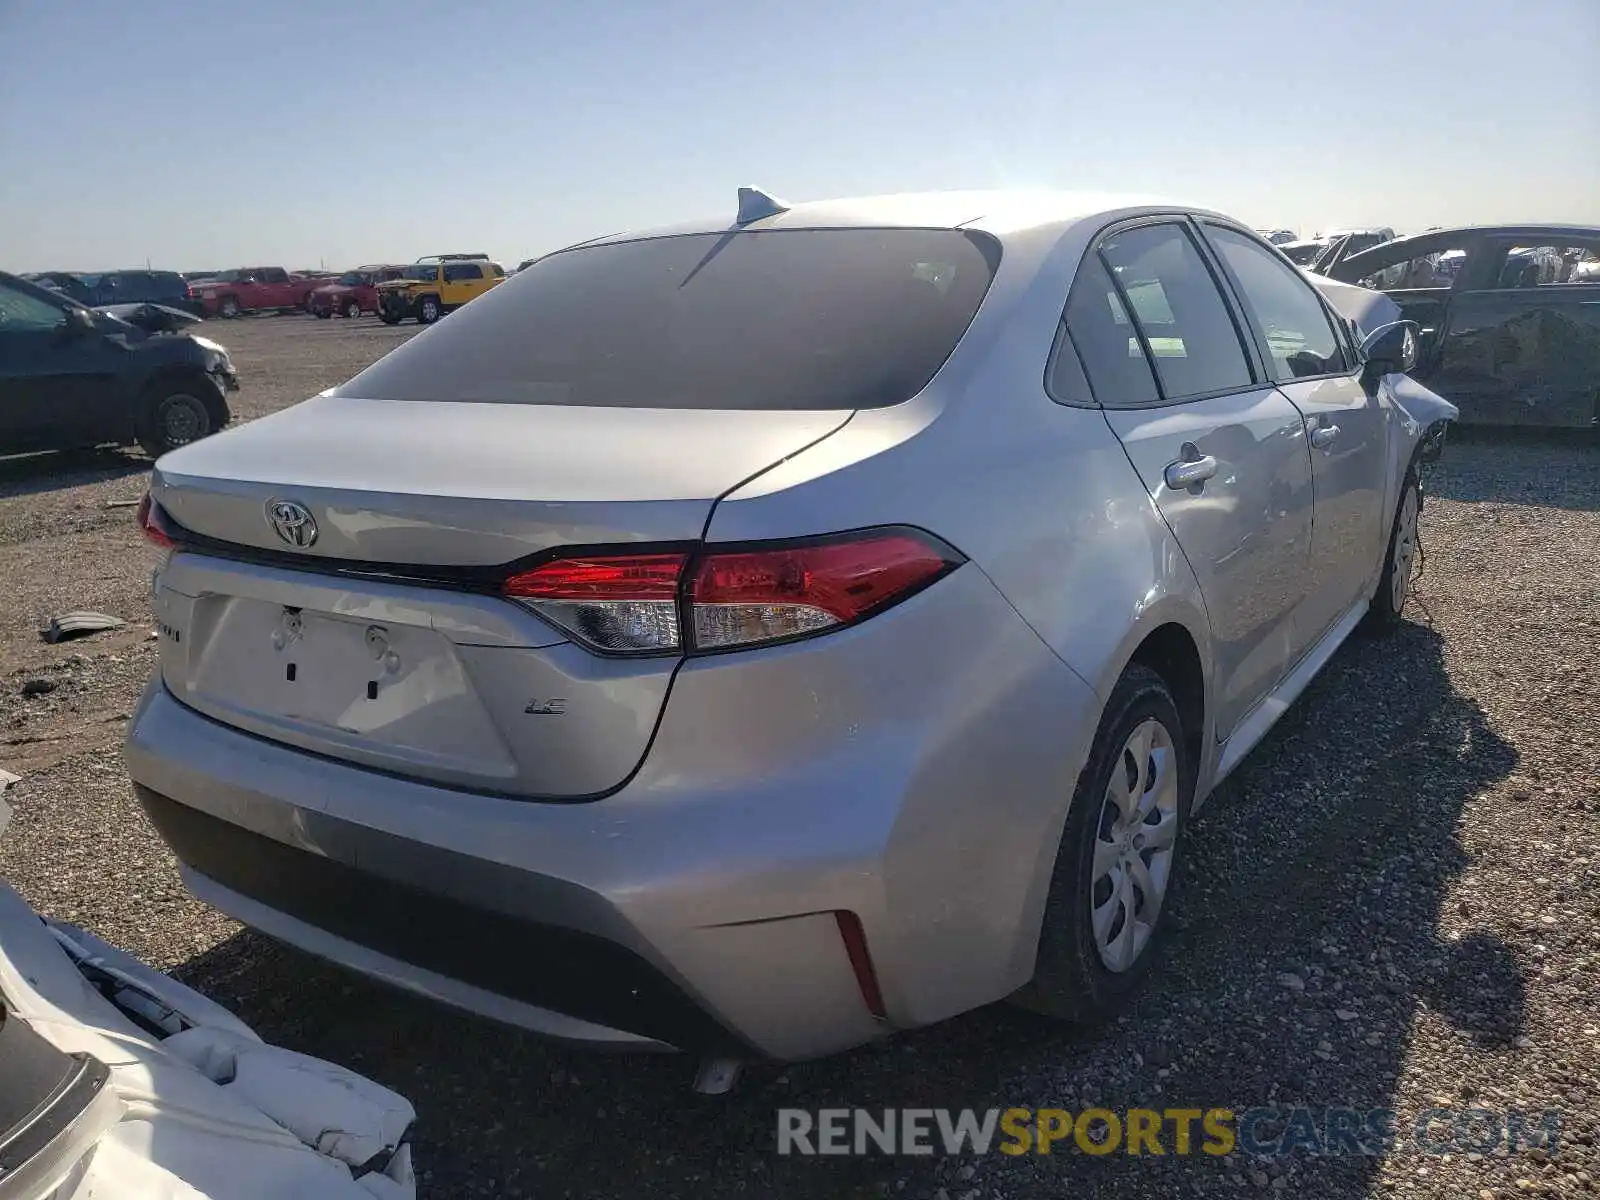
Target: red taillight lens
[[621, 603], [152, 525], [766, 595], [630, 604]]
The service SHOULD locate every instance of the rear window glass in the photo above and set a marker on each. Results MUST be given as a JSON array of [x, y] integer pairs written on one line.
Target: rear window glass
[[776, 319]]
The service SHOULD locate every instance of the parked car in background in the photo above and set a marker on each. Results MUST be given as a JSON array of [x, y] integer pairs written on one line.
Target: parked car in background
[[73, 376], [167, 288], [431, 287], [253, 289], [1278, 237], [65, 282], [1509, 331], [353, 293], [1302, 253], [590, 661], [119, 1083]]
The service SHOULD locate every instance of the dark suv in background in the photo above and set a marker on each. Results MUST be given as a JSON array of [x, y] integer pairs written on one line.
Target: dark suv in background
[[100, 288]]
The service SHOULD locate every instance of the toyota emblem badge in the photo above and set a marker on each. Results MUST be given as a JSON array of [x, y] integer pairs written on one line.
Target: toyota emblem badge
[[293, 522]]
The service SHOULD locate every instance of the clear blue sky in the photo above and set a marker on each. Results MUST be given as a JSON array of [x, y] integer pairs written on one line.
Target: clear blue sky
[[205, 135]]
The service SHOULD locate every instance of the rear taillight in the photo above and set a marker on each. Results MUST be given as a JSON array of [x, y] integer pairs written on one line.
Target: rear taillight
[[152, 523], [720, 600], [617, 603]]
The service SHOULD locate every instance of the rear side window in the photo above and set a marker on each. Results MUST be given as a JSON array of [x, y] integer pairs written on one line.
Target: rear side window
[[1176, 305], [1099, 328], [775, 319], [1300, 338], [166, 285]]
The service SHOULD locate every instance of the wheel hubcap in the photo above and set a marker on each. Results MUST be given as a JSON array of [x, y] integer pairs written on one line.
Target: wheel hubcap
[[182, 420], [1405, 550], [1134, 843]]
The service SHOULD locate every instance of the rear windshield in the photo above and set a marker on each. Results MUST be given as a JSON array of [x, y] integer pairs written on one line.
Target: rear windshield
[[777, 319]]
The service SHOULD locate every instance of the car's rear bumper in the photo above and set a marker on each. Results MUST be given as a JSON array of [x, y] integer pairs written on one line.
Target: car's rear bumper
[[914, 775]]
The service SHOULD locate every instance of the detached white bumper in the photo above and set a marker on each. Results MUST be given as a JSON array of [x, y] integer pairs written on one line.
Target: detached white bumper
[[203, 1108]]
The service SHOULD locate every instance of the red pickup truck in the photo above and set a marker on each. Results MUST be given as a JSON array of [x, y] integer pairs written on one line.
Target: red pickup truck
[[253, 289], [353, 293]]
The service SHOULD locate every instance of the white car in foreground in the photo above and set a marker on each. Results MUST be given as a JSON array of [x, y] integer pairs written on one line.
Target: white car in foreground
[[118, 1083]]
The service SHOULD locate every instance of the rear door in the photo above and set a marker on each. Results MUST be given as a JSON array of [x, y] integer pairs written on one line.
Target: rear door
[[276, 289], [1523, 347], [1220, 449]]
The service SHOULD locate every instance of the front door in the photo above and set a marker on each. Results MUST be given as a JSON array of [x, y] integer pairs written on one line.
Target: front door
[[57, 386], [1346, 427], [1221, 451]]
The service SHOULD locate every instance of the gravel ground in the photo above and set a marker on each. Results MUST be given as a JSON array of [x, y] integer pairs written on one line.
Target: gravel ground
[[1392, 905]]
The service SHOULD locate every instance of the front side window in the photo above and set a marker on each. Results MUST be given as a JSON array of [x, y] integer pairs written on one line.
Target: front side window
[[21, 312], [1300, 339], [799, 319], [419, 273], [1178, 309], [1435, 269], [458, 271]]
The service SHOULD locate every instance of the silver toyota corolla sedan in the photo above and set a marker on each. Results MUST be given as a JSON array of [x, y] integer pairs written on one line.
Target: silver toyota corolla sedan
[[761, 635]]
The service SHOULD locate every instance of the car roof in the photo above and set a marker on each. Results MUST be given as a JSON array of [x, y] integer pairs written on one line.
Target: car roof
[[999, 212]]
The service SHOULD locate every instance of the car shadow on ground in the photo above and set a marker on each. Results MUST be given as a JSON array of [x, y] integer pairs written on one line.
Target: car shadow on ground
[[31, 474], [1304, 952]]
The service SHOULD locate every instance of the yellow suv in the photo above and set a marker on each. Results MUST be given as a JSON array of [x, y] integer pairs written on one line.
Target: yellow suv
[[433, 286]]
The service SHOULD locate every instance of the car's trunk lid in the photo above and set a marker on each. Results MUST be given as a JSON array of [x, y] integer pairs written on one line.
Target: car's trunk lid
[[472, 483], [381, 641]]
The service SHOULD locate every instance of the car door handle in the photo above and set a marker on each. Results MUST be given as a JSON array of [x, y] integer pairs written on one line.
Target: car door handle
[[1187, 472], [1324, 436]]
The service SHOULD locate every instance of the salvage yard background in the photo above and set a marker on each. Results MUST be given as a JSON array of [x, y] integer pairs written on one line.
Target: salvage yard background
[[1392, 905]]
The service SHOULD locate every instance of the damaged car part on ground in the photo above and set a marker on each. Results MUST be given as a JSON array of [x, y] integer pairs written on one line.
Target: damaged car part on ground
[[118, 1082], [72, 376], [1509, 317], [784, 673]]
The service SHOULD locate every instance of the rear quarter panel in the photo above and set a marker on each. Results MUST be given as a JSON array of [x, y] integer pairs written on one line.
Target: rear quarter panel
[[1040, 497]]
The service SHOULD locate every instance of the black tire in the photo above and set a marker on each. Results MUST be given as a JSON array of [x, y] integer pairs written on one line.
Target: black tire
[[429, 310], [228, 308], [1384, 613], [1070, 980], [323, 314], [175, 413], [352, 310], [388, 317]]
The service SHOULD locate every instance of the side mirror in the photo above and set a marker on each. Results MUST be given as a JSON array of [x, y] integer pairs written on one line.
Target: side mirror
[[79, 321], [1391, 349]]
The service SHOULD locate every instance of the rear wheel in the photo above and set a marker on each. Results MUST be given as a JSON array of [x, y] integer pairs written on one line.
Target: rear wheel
[[428, 310], [229, 307], [388, 317], [352, 309], [174, 414], [1117, 856]]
